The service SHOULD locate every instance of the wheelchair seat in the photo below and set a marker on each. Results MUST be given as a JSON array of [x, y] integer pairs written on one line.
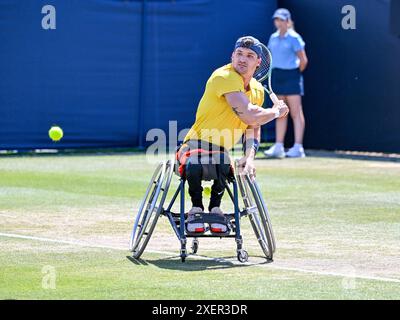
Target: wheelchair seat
[[209, 160]]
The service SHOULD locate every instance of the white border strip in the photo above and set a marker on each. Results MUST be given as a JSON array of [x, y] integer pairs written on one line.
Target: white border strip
[[83, 244]]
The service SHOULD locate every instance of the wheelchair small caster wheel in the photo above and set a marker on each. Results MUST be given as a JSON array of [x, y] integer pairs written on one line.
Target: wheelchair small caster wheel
[[195, 246], [243, 256], [183, 258]]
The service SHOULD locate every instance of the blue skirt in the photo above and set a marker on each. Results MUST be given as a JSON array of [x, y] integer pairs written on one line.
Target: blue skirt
[[287, 82]]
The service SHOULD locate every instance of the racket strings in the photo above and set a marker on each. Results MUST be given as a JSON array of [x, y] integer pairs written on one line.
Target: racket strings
[[265, 66]]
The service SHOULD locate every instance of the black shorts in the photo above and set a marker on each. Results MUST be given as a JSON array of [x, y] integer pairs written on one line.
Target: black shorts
[[287, 82]]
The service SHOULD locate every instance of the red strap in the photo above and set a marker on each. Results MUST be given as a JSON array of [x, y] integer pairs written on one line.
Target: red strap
[[182, 158]]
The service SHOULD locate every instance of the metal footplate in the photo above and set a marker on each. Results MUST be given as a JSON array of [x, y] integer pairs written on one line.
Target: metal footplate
[[209, 218]]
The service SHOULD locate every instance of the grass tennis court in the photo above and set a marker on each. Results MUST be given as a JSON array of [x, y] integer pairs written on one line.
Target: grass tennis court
[[336, 221]]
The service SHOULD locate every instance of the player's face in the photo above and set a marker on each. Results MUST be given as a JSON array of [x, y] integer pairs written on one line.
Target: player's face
[[245, 61]]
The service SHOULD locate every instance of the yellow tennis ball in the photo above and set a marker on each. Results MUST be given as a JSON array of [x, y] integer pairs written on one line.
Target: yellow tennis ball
[[207, 191], [55, 133]]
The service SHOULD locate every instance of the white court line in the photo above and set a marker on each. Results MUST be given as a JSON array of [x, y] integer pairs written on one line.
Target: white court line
[[83, 244], [6, 215], [74, 242]]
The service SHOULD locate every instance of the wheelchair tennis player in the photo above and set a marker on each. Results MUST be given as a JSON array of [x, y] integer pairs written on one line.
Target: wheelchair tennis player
[[229, 110]]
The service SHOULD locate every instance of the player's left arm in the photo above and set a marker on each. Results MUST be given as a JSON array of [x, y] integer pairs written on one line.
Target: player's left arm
[[251, 141]]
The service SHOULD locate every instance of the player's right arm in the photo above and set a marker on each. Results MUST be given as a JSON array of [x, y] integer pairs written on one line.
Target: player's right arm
[[252, 114]]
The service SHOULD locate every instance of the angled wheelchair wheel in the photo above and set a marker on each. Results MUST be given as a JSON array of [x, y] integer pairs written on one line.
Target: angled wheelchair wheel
[[151, 207], [258, 214], [267, 219]]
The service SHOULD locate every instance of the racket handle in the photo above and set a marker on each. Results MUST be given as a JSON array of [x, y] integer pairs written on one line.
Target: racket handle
[[274, 98]]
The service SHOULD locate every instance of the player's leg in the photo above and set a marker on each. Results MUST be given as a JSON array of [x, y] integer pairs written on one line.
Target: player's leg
[[218, 187], [194, 177], [297, 115], [217, 192], [277, 150], [193, 172]]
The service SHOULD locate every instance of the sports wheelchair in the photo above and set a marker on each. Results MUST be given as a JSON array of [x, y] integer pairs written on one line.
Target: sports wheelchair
[[152, 207]]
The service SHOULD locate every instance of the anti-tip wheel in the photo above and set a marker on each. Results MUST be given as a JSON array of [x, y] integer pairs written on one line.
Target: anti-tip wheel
[[243, 256]]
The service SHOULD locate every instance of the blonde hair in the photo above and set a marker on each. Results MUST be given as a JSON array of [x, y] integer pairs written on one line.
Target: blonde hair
[[290, 24]]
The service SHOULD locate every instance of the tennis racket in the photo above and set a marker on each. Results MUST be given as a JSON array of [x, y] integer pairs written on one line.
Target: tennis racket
[[264, 72]]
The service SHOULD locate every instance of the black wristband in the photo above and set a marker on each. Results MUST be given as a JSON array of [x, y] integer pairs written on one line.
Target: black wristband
[[251, 143]]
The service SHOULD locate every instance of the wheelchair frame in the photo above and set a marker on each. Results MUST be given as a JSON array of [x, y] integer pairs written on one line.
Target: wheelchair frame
[[152, 208]]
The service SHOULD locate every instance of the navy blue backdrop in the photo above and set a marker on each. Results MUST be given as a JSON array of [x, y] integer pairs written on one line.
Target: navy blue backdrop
[[352, 85], [113, 69]]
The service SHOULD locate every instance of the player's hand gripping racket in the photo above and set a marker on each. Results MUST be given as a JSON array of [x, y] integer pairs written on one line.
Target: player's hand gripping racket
[[264, 72]]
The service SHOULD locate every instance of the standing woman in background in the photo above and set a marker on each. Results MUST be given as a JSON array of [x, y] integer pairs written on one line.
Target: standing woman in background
[[289, 60]]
